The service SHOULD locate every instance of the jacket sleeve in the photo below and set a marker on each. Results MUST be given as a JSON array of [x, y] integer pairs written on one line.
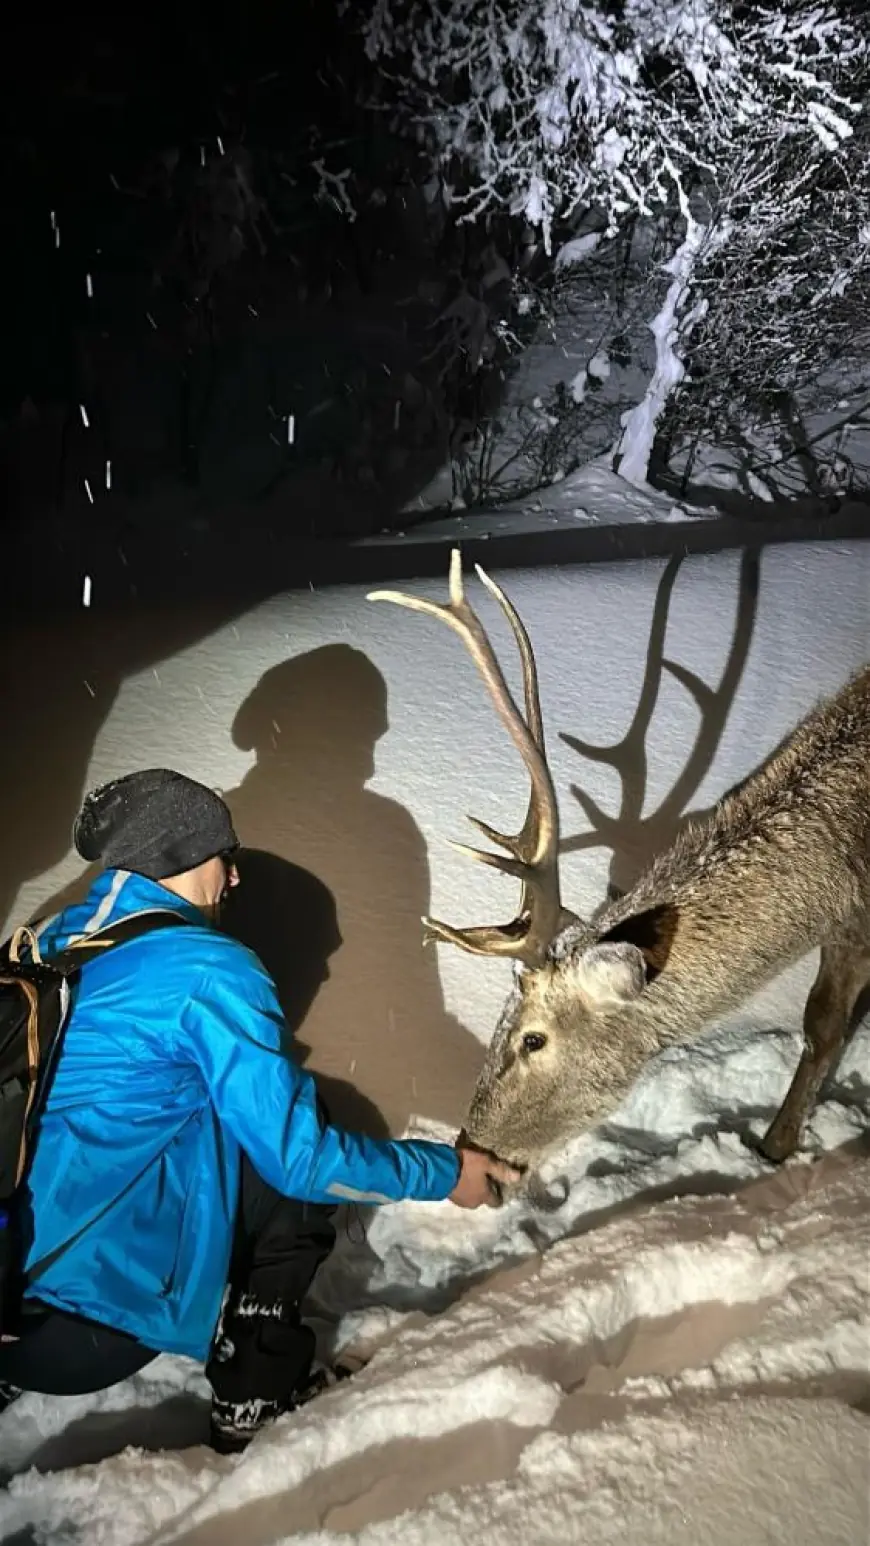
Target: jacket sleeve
[[233, 1028]]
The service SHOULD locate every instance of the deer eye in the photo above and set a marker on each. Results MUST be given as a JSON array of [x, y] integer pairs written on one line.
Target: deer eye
[[534, 1041]]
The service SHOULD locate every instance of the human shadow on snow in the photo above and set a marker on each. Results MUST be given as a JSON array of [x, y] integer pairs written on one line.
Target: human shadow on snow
[[380, 1020]]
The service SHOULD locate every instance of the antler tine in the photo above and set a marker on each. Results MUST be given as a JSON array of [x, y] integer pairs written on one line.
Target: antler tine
[[496, 939], [535, 848], [527, 838], [534, 718], [515, 867]]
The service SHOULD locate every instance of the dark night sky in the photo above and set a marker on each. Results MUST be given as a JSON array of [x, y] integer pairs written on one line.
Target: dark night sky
[[187, 379], [83, 98]]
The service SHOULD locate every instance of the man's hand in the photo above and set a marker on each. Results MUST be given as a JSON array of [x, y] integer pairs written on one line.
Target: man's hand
[[474, 1189]]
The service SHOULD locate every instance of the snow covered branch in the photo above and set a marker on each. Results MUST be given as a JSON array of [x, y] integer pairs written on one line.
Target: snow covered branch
[[639, 424], [553, 107], [744, 124]]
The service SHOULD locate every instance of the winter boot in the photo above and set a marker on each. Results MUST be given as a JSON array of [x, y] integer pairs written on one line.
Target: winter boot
[[262, 1366], [235, 1423]]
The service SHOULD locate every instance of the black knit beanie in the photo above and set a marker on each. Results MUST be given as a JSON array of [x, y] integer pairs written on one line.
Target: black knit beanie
[[157, 823]]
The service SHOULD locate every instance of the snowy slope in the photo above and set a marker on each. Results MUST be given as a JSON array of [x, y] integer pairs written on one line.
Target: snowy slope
[[674, 1344], [593, 495], [681, 1373]]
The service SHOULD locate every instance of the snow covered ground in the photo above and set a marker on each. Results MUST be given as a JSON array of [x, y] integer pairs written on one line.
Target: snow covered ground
[[592, 495], [671, 1343], [688, 1370]]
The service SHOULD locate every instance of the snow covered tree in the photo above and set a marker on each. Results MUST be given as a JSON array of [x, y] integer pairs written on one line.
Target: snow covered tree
[[787, 294], [730, 119]]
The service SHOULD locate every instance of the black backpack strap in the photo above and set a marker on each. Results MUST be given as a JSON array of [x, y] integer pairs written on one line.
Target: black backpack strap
[[134, 926]]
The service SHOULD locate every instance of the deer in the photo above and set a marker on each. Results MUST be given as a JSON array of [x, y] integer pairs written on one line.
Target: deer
[[777, 868]]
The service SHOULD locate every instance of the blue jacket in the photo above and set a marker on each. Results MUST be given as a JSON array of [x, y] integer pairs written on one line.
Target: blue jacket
[[171, 1065]]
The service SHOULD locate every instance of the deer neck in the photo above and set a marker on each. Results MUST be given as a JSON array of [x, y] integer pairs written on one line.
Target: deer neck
[[707, 951]]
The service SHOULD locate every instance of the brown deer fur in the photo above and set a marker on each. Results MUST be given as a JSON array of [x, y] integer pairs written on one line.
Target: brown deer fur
[[778, 868]]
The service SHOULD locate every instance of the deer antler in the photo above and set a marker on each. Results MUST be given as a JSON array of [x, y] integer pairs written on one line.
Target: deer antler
[[534, 849]]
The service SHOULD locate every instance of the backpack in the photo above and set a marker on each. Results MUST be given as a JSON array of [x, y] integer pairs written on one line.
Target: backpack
[[35, 998]]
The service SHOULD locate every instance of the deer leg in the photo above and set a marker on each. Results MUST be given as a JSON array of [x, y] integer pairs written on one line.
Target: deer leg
[[844, 971]]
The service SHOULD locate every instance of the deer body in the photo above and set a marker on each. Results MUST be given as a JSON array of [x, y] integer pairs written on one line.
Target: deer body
[[781, 864], [778, 868]]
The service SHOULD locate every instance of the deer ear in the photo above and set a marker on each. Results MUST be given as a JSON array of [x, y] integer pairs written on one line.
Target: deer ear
[[609, 974], [653, 933]]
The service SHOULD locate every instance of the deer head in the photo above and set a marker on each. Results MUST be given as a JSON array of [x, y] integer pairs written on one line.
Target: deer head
[[568, 1043]]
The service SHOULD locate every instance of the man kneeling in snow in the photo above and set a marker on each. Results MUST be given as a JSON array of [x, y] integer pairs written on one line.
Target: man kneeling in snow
[[183, 1173]]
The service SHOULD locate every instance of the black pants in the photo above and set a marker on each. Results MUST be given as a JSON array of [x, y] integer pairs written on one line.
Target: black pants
[[264, 1350]]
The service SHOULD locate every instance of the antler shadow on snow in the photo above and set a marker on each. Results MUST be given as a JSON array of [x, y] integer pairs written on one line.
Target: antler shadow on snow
[[633, 838]]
